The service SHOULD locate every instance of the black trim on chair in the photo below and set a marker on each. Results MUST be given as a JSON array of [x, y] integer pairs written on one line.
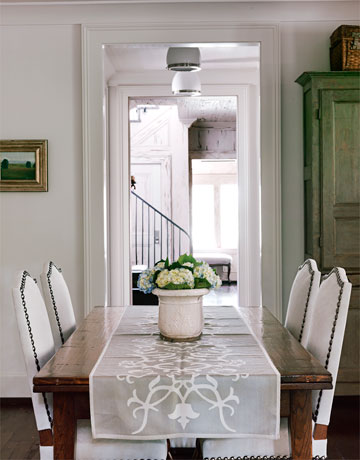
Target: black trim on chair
[[307, 263], [48, 275], [259, 457], [37, 364], [252, 457], [341, 285]]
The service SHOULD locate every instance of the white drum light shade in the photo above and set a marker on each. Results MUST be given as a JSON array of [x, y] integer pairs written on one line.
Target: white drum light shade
[[183, 59], [186, 84]]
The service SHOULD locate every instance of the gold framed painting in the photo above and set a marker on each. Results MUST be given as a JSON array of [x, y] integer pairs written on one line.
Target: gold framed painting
[[23, 165]]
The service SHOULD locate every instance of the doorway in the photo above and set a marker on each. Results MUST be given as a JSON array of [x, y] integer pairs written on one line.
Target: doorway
[[99, 254], [147, 101], [214, 203], [171, 141]]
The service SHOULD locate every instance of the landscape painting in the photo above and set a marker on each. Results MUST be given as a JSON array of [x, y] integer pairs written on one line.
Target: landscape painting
[[23, 165], [17, 165]]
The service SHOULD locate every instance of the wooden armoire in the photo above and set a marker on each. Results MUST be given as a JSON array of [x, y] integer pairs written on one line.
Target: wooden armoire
[[332, 194]]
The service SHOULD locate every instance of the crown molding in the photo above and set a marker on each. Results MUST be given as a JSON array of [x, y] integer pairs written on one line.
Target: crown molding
[[127, 2]]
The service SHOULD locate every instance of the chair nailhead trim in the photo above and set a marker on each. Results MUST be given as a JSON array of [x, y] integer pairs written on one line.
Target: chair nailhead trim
[[341, 285], [259, 457], [307, 263], [48, 276], [37, 364], [272, 457]]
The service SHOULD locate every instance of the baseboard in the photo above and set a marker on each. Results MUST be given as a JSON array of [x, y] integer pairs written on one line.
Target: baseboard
[[14, 386]]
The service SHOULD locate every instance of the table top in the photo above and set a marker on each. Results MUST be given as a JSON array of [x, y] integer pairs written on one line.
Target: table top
[[144, 387], [70, 367]]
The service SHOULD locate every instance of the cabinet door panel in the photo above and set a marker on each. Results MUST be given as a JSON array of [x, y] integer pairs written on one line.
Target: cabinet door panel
[[340, 165]]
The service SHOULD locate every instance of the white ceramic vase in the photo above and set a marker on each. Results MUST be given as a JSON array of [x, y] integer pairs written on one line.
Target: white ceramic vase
[[181, 313]]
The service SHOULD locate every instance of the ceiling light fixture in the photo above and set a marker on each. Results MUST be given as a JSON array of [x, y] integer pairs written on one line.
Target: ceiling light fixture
[[183, 59], [186, 84]]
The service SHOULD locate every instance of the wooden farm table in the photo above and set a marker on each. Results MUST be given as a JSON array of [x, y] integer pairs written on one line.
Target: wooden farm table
[[66, 375]]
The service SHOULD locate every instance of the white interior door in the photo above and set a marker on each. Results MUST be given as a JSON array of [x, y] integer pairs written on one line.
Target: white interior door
[[148, 182], [145, 223]]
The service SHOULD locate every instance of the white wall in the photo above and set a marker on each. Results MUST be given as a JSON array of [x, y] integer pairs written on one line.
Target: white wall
[[180, 173], [41, 98]]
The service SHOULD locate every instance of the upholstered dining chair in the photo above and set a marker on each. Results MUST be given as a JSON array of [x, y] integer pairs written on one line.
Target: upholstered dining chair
[[38, 347], [326, 334], [58, 303], [302, 297]]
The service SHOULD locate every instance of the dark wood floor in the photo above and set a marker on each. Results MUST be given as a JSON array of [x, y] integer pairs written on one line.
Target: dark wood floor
[[19, 438]]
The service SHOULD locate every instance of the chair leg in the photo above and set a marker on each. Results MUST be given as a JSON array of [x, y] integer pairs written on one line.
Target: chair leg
[[46, 437], [169, 456], [197, 455], [229, 270]]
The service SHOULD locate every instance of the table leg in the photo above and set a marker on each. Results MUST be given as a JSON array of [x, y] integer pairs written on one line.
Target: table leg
[[64, 425], [300, 424]]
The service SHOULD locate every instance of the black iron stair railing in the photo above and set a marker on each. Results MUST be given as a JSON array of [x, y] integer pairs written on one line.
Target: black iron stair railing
[[155, 236]]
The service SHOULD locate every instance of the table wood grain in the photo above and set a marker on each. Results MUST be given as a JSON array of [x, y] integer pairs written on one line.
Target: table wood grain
[[73, 362], [66, 375]]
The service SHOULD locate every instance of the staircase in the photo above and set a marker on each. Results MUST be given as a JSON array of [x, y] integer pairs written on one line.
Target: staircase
[[154, 237]]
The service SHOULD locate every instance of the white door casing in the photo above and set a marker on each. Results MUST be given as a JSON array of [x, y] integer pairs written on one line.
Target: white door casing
[[249, 249], [94, 37]]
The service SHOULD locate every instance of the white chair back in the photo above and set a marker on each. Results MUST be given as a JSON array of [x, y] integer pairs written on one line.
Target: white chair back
[[38, 347], [36, 340], [302, 299], [58, 303], [326, 335]]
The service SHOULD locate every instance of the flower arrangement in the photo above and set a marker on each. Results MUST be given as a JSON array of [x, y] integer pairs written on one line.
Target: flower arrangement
[[185, 273]]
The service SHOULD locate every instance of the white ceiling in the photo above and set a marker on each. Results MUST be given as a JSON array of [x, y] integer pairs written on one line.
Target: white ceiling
[[150, 58], [213, 109], [138, 58]]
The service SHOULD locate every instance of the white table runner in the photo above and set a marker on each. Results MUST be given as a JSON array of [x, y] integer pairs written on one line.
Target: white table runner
[[223, 385]]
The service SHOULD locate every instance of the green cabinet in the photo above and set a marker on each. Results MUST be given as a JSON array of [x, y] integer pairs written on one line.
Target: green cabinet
[[332, 192]]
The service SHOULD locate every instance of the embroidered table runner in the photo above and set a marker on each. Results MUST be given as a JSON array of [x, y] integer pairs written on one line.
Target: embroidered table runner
[[222, 385]]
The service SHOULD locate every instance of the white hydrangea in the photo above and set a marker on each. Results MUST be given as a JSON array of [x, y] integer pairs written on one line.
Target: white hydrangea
[[188, 264], [205, 271], [186, 277], [146, 281], [175, 276], [160, 266]]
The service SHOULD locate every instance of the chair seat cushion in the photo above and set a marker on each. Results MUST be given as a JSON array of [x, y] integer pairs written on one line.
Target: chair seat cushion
[[248, 446], [214, 258], [46, 453], [183, 443], [259, 447], [88, 448]]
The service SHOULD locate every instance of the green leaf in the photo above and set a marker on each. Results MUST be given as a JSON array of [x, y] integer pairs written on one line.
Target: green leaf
[[174, 265], [167, 262], [156, 274], [186, 258], [176, 286], [201, 283], [162, 260], [187, 268]]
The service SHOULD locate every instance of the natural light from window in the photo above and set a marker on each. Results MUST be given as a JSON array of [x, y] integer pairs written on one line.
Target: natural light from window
[[203, 216], [214, 204], [229, 215]]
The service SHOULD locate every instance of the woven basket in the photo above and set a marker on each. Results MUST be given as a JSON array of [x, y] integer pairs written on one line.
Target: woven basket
[[345, 48]]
